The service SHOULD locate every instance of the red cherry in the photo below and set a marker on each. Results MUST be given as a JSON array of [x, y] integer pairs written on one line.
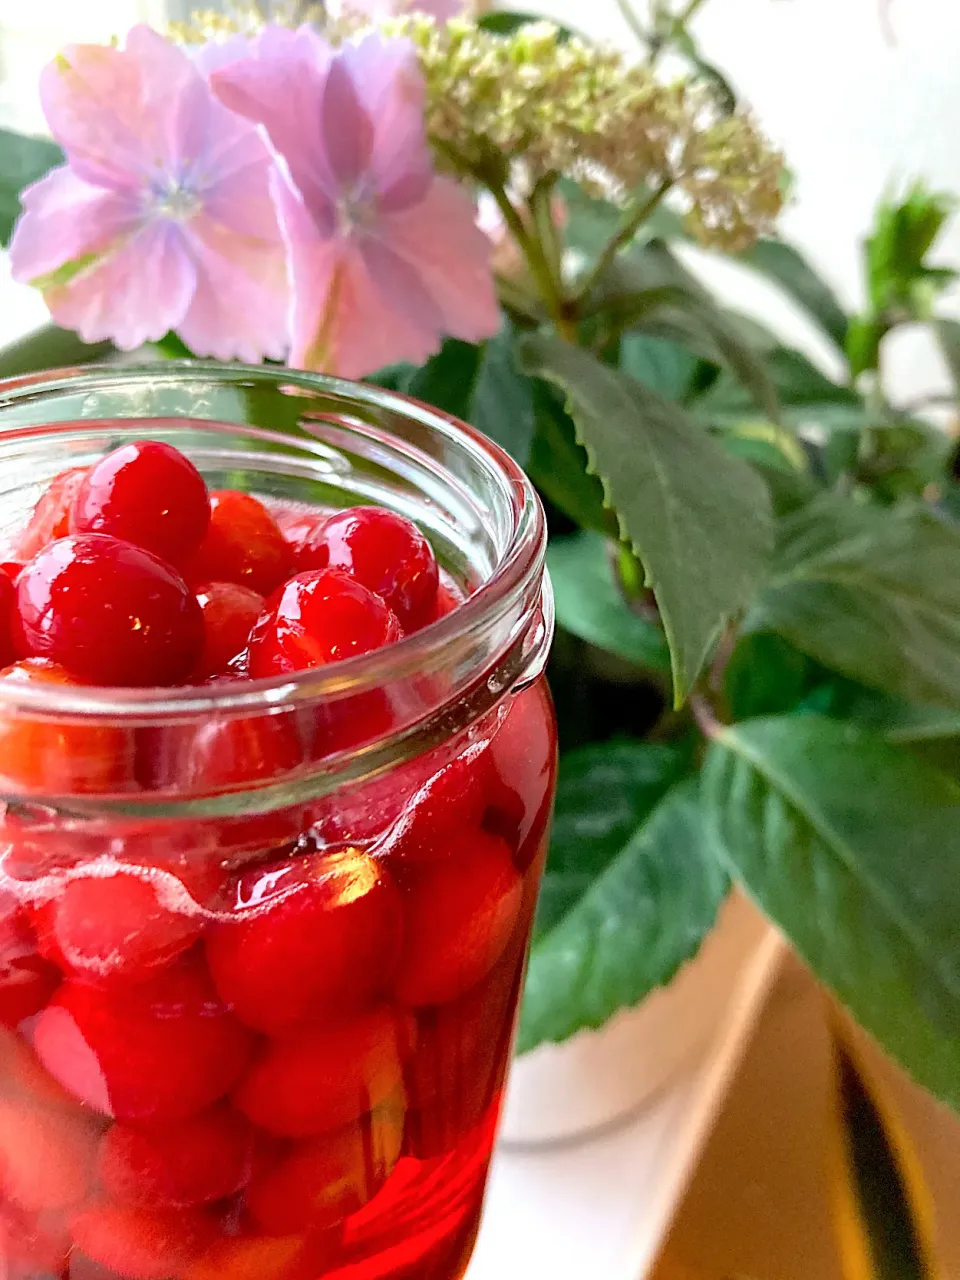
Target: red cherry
[[319, 617], [8, 596], [46, 1157], [183, 858], [147, 493], [45, 755], [183, 855], [200, 758], [139, 1244], [387, 554], [263, 1258], [303, 531], [418, 811], [113, 920], [448, 597], [11, 569], [443, 813], [243, 545], [523, 753], [324, 1078], [229, 614], [459, 917], [366, 815], [110, 612], [27, 981], [33, 1243], [161, 1051], [51, 515], [322, 1180], [463, 1049], [179, 1163], [309, 937]]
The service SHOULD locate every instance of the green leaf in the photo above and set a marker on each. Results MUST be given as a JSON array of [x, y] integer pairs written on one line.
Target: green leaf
[[786, 267], [948, 338], [903, 458], [604, 792], [49, 347], [394, 377], [864, 335], [768, 444], [558, 466], [775, 455], [172, 347], [699, 519], [807, 398], [932, 733], [765, 676], [625, 905], [872, 593], [23, 160], [502, 404], [649, 290], [590, 605], [852, 847], [446, 380], [480, 384], [789, 491], [902, 236], [664, 366], [592, 222], [506, 22]]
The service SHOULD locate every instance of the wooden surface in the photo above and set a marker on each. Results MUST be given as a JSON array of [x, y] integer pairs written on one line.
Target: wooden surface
[[757, 1208]]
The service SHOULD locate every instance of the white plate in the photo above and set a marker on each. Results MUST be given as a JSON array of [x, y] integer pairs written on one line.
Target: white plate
[[600, 1209]]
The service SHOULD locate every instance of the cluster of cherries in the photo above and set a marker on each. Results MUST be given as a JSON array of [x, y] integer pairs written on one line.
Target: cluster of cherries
[[220, 1050], [136, 575]]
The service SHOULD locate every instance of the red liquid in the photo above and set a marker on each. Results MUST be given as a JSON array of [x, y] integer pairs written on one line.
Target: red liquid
[[269, 1048]]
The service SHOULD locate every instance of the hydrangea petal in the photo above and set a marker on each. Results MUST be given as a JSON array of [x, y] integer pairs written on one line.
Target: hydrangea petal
[[340, 322], [134, 294], [440, 239], [280, 86], [347, 131], [392, 90], [66, 219], [217, 54], [120, 114], [370, 332], [401, 283], [239, 307]]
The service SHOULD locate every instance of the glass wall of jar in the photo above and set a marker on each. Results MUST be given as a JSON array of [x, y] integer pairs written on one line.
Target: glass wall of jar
[[263, 939]]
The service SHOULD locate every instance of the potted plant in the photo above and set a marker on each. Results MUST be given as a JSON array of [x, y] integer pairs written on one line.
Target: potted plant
[[757, 568]]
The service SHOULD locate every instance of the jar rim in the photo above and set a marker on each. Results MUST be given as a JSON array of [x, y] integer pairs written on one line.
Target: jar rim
[[516, 574]]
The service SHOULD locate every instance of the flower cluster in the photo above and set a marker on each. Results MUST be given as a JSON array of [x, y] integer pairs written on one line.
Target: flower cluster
[[563, 106], [271, 196]]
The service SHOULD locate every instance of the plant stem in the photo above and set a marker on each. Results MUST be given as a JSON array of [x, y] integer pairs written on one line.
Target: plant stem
[[544, 278], [522, 305], [707, 722], [628, 228], [544, 227], [632, 21], [689, 12]]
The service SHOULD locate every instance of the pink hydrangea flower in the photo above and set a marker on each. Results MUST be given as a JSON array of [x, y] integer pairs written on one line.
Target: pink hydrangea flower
[[385, 257], [162, 218]]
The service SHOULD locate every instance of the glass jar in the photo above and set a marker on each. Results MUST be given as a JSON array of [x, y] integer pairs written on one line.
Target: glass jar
[[263, 941]]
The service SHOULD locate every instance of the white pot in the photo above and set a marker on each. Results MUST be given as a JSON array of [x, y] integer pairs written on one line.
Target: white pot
[[593, 1080]]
